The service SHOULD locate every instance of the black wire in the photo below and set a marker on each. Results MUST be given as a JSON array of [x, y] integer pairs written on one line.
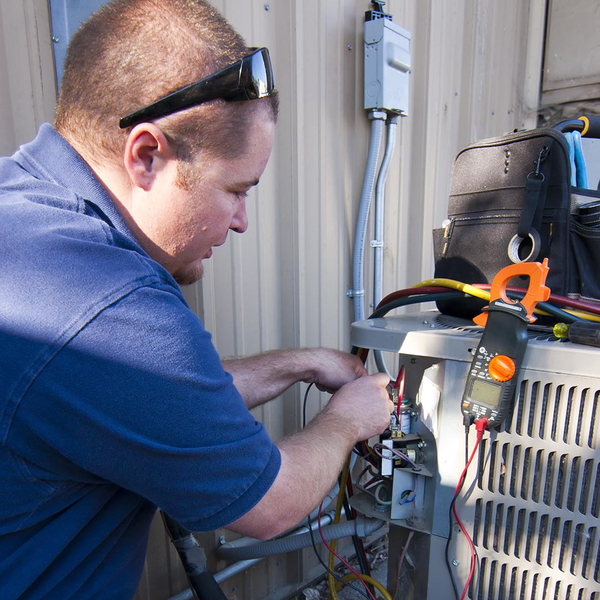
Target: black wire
[[447, 552], [447, 555], [466, 444], [335, 575], [304, 405], [312, 537], [386, 308], [552, 310], [456, 295], [359, 547]]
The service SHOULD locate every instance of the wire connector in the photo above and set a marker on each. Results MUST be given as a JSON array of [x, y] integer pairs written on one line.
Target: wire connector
[[480, 426]]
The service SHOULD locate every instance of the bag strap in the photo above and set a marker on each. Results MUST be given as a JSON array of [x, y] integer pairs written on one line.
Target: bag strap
[[536, 190]]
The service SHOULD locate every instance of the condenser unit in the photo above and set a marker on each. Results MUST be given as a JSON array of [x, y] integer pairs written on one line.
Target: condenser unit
[[531, 499]]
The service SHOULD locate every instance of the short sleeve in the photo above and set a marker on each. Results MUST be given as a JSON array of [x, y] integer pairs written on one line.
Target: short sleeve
[[139, 398]]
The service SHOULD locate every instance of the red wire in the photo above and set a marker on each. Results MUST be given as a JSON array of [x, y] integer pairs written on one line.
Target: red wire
[[415, 291], [338, 556], [399, 385], [554, 298], [480, 425]]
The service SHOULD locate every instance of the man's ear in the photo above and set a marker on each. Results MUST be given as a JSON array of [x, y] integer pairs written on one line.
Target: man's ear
[[146, 152]]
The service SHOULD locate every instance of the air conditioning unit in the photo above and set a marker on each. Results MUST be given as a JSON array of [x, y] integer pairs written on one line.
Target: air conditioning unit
[[531, 499]]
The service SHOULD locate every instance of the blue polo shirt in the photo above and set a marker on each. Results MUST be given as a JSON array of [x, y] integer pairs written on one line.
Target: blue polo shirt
[[113, 400]]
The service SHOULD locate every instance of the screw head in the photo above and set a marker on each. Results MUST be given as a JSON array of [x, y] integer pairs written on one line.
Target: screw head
[[455, 563], [55, 39], [267, 7]]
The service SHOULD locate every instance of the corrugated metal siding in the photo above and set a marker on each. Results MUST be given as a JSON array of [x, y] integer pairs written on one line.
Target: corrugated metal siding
[[27, 83], [476, 68]]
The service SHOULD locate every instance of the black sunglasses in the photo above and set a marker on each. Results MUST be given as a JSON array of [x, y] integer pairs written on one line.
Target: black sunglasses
[[247, 79]]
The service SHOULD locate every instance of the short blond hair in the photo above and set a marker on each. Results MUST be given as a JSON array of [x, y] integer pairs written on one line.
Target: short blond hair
[[132, 52]]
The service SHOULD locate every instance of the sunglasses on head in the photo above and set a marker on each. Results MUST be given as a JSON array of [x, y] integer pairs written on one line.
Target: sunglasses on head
[[247, 79]]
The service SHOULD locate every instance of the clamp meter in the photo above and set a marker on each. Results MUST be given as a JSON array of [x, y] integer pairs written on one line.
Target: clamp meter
[[492, 378]]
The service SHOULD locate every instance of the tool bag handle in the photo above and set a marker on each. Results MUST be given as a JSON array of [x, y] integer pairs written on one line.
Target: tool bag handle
[[587, 126]]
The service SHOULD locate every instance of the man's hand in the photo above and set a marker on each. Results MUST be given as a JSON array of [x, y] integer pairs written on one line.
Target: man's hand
[[334, 368], [312, 459], [363, 405], [263, 377]]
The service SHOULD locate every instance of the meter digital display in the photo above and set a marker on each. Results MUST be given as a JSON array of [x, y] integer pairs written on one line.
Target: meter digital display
[[491, 383], [485, 392]]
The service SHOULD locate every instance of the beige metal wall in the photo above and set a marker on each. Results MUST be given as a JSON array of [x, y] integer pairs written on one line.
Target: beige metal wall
[[476, 73]]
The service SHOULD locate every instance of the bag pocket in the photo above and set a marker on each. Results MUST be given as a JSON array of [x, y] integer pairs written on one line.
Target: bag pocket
[[473, 249], [585, 259]]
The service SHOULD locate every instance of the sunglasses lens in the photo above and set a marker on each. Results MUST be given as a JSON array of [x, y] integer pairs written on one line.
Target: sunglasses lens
[[262, 74]]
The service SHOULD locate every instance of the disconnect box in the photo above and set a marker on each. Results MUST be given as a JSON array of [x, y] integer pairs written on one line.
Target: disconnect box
[[387, 66]]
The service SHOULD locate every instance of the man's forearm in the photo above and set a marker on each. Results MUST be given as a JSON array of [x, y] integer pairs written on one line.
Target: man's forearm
[[311, 461], [265, 376]]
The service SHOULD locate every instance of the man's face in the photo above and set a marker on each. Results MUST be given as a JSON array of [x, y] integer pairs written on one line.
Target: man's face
[[183, 226]]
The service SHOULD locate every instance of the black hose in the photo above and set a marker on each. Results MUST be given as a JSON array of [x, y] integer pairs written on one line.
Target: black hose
[[194, 562]]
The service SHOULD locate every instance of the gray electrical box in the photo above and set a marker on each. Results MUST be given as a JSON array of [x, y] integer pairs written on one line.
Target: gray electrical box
[[387, 66]]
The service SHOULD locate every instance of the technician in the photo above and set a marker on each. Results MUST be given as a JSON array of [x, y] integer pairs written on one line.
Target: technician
[[113, 399]]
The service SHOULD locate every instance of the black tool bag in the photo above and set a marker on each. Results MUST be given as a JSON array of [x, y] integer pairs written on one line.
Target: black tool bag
[[511, 200]]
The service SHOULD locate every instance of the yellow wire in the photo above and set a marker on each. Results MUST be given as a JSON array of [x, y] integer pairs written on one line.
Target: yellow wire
[[485, 295], [584, 315], [367, 579], [336, 519], [456, 285]]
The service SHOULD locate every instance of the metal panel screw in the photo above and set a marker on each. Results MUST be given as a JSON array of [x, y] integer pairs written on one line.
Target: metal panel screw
[[349, 46], [267, 7], [455, 563], [55, 39]]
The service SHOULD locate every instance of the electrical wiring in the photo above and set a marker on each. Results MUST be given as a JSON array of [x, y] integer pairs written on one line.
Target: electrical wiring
[[410, 498], [382, 486], [542, 307], [399, 385], [405, 301], [380, 448], [374, 494], [332, 553], [336, 519], [554, 298], [359, 547], [401, 562], [373, 582], [324, 565], [362, 473], [331, 573], [456, 285], [480, 426], [344, 481]]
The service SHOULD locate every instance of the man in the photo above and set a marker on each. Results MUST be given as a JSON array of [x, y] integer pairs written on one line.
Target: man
[[114, 401]]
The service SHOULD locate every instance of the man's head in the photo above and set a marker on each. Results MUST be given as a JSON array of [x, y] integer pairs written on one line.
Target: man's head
[[129, 54]]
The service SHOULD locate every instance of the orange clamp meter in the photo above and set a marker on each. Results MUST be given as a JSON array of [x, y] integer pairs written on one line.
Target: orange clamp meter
[[497, 359]]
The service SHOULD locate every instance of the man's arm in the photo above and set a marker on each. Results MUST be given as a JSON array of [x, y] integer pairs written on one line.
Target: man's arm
[[263, 377], [311, 460]]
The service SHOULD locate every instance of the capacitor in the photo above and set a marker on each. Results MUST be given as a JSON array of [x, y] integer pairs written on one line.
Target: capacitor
[[405, 415]]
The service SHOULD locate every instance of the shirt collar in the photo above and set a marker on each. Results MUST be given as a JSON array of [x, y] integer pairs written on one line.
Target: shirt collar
[[56, 160]]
